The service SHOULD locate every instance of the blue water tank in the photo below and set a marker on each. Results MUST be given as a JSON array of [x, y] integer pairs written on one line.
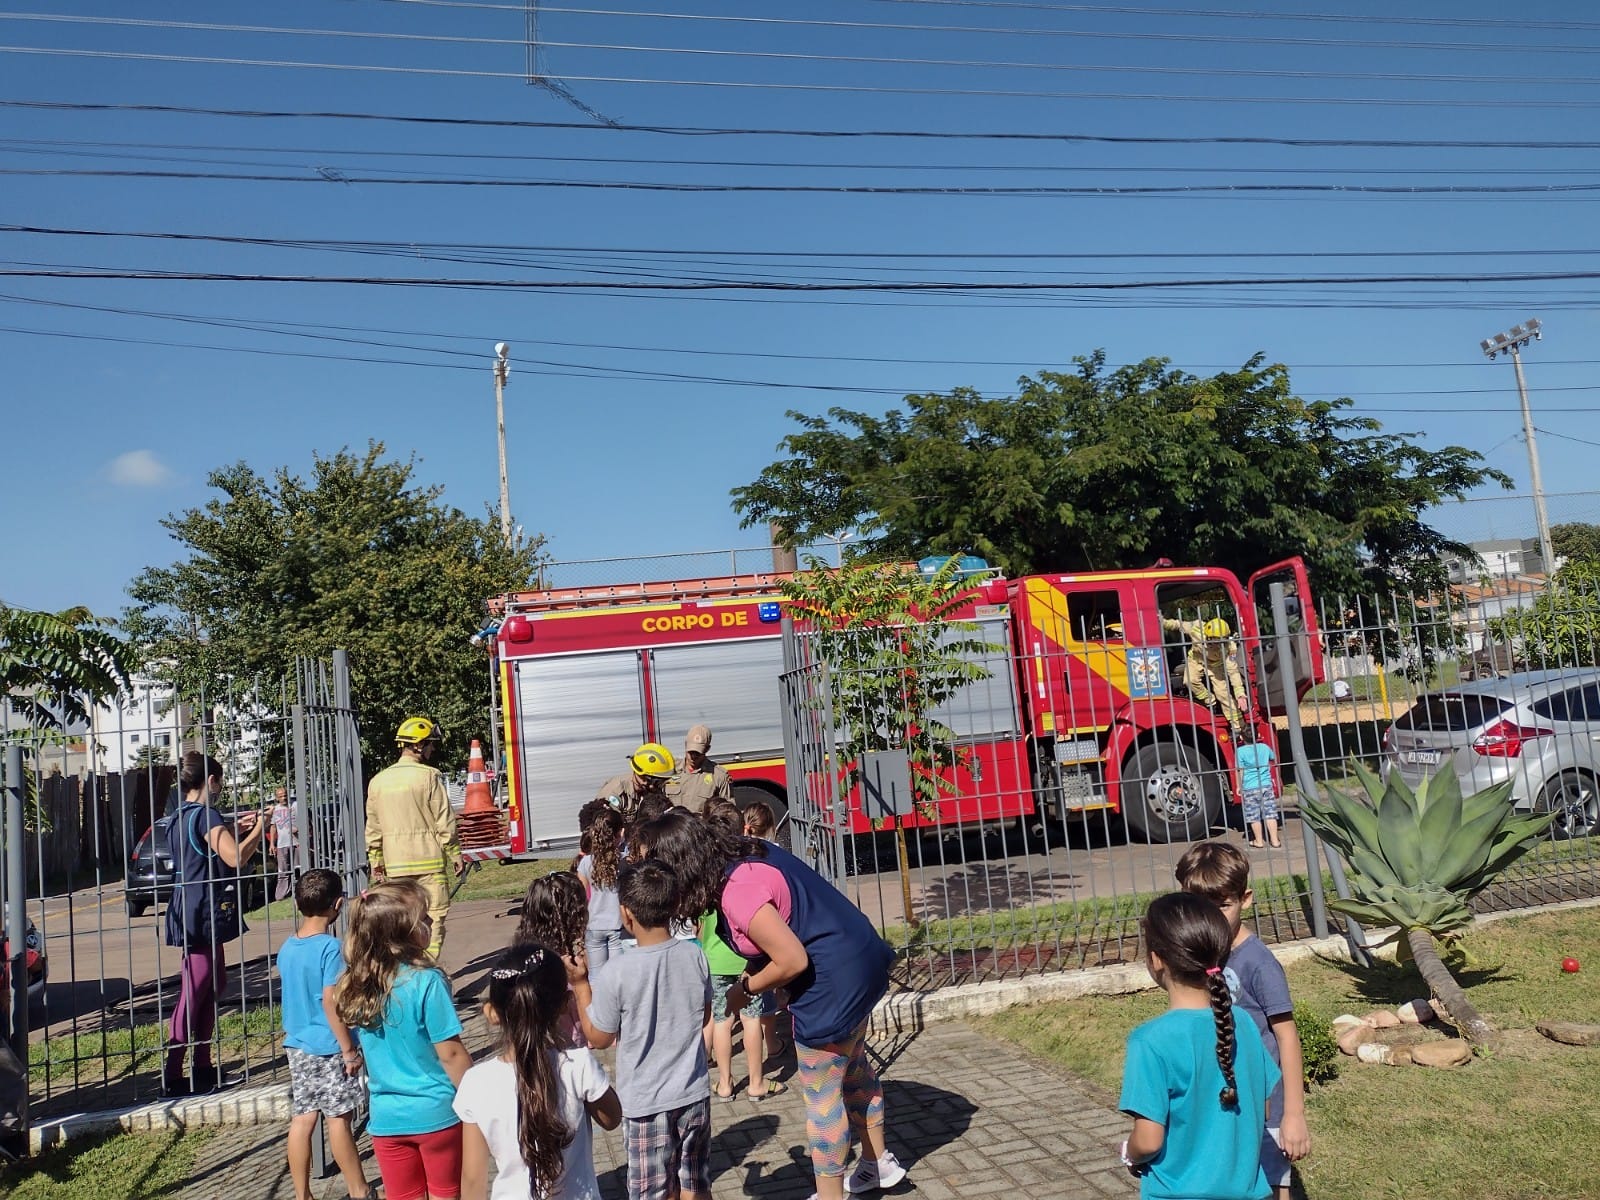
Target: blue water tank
[[966, 565]]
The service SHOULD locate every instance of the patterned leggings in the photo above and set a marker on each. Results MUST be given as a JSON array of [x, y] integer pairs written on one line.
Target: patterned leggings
[[842, 1094]]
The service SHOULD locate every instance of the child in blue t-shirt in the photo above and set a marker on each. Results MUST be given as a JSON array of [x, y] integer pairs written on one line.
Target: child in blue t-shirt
[[324, 1064], [1196, 1079], [1258, 789], [399, 1002]]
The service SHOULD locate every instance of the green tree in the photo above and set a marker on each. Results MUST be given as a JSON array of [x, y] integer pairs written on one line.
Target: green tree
[[1575, 541], [357, 557], [54, 667], [1562, 625], [893, 653], [152, 756], [1416, 861], [1098, 469]]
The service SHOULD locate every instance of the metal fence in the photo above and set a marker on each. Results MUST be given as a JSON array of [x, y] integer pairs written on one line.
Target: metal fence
[[1042, 851], [89, 873], [694, 564]]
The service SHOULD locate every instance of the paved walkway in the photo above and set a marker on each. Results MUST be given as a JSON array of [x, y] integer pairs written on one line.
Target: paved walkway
[[968, 1115]]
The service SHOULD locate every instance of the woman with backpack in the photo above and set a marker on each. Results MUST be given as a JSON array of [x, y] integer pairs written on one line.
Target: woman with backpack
[[202, 916]]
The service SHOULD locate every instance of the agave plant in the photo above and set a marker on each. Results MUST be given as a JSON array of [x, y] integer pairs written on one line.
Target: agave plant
[[1417, 858]]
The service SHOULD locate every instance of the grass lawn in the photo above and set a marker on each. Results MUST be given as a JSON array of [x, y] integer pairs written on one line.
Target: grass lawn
[[507, 880], [109, 1054], [1503, 1127], [142, 1166]]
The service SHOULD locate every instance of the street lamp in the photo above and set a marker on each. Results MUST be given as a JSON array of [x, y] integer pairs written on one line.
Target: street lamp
[[1511, 342], [502, 372]]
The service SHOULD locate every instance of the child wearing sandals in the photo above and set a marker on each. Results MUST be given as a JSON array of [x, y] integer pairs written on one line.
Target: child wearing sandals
[[726, 965], [528, 1109], [324, 1064]]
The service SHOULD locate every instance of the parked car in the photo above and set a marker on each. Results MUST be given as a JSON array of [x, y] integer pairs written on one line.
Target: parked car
[[1538, 729], [150, 870], [37, 962]]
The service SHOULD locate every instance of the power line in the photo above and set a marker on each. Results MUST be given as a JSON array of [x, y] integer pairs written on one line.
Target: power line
[[736, 131], [800, 56], [326, 175], [777, 85]]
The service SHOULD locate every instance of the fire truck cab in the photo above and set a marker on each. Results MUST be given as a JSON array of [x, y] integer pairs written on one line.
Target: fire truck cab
[[1082, 705]]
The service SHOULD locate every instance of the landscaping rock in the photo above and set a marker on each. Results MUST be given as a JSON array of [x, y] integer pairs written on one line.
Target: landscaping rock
[[1376, 1052], [1570, 1033], [1382, 1018], [1452, 1052], [1345, 1021], [1415, 1012], [1356, 1036]]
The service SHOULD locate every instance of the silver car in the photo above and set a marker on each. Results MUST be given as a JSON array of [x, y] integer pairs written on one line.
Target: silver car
[[1539, 729]]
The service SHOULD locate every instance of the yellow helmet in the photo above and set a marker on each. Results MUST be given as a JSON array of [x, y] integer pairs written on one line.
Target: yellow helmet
[[1217, 629], [653, 760], [414, 731]]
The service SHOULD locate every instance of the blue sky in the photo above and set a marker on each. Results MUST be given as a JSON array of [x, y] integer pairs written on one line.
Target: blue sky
[[108, 429]]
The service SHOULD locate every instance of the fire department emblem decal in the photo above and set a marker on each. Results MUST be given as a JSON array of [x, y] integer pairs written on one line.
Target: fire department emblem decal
[[1147, 673]]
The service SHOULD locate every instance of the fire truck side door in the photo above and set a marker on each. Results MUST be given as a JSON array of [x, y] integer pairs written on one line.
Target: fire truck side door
[[1308, 668]]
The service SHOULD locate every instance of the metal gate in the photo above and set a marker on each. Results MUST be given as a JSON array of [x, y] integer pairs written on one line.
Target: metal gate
[[87, 872], [818, 814]]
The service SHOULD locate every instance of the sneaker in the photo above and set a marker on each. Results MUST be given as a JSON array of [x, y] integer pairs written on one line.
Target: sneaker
[[871, 1175]]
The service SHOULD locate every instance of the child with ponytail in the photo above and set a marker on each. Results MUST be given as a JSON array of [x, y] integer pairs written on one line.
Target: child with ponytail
[[528, 1108], [398, 1002], [1196, 1081], [598, 870]]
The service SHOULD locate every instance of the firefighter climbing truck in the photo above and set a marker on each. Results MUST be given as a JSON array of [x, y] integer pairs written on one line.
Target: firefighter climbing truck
[[1082, 705]]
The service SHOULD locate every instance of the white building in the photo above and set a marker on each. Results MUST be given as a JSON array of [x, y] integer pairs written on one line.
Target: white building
[[1503, 558], [147, 716]]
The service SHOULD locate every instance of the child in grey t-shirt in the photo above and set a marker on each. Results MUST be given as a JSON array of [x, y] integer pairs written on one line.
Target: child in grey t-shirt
[[652, 1004]]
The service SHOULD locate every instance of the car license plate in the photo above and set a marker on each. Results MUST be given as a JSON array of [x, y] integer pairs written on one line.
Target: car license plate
[[1421, 758]]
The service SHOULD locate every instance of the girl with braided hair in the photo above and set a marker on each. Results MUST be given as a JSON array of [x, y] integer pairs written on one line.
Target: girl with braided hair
[[529, 1107], [1196, 1081]]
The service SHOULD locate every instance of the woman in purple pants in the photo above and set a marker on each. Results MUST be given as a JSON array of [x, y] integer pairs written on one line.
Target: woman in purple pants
[[202, 916]]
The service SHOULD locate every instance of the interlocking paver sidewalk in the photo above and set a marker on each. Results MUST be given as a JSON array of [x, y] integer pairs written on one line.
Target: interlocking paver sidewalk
[[969, 1115]]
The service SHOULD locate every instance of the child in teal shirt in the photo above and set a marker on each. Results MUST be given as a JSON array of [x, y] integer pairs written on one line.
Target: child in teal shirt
[[1196, 1080]]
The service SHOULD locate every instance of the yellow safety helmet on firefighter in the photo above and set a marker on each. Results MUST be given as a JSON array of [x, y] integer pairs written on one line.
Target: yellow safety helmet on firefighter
[[1217, 629], [414, 731], [654, 761]]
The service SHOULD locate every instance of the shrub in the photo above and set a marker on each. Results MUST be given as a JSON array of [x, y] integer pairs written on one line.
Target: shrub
[[1318, 1047]]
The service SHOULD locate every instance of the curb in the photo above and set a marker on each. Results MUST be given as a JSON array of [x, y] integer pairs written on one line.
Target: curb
[[261, 1104]]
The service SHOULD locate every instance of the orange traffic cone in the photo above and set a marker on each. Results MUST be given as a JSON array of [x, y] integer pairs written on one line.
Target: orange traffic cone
[[479, 797]]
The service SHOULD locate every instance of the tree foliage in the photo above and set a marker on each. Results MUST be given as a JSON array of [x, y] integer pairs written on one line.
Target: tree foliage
[[1098, 469], [55, 666], [1562, 625], [1575, 541], [357, 557]]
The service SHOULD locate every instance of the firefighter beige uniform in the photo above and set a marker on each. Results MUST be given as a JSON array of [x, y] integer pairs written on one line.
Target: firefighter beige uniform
[[626, 791], [1209, 672], [411, 834], [692, 789]]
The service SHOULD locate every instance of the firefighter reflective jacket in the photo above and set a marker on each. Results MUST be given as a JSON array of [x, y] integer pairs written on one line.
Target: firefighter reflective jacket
[[411, 828]]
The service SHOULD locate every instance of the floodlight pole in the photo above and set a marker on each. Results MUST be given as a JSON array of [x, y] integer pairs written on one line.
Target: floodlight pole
[[1512, 342], [502, 372]]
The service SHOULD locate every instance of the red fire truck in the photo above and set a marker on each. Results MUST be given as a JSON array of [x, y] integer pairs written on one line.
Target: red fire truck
[[1082, 706]]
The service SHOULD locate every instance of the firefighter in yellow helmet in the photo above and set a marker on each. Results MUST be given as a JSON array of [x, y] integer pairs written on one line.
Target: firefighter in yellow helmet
[[411, 828], [649, 768], [1210, 673]]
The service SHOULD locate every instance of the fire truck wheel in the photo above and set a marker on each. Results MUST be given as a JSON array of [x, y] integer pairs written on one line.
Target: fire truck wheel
[[745, 795], [1170, 793]]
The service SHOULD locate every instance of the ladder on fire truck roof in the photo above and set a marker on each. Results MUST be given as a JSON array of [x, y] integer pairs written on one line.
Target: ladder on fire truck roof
[[653, 592]]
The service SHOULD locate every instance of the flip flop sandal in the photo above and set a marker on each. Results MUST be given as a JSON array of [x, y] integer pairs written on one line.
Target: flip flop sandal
[[773, 1087], [720, 1098]]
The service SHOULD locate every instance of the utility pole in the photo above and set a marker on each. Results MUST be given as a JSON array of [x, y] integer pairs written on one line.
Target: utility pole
[[1511, 342], [502, 372]]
